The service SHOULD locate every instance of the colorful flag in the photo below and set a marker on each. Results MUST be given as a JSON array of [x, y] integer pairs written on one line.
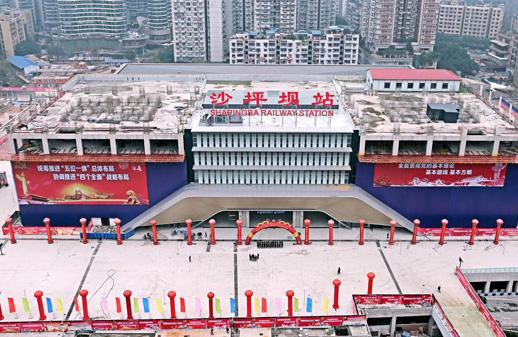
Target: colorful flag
[[25, 303], [59, 302], [12, 307], [182, 304], [218, 306], [76, 303], [263, 305], [135, 305], [325, 305], [295, 304], [104, 306], [49, 305], [159, 306], [256, 305], [118, 304], [233, 308], [145, 304], [309, 304]]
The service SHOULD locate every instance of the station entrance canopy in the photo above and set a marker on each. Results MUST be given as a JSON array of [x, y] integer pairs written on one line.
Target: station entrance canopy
[[346, 203]]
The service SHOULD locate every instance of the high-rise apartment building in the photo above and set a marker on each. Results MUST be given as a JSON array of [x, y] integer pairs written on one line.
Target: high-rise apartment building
[[199, 30], [333, 45], [514, 23], [483, 21], [15, 26], [137, 8], [50, 13], [242, 16], [279, 14], [317, 14], [159, 20], [86, 18], [35, 6], [386, 23]]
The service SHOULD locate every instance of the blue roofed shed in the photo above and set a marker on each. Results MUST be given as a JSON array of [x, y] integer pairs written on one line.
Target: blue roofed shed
[[23, 64]]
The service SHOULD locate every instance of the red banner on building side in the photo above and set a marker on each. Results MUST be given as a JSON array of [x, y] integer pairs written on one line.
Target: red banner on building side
[[81, 183], [439, 175]]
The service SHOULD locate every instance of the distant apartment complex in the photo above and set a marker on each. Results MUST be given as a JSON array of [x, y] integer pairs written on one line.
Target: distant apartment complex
[[85, 18], [287, 16], [159, 20], [199, 30], [15, 26], [386, 23], [330, 46], [483, 21]]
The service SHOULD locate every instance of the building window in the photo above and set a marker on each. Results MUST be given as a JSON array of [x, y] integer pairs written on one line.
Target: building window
[[421, 85], [445, 85], [433, 85], [399, 85], [387, 85], [410, 86]]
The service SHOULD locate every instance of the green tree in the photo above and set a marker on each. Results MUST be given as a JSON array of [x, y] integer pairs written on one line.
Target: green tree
[[27, 47], [56, 50]]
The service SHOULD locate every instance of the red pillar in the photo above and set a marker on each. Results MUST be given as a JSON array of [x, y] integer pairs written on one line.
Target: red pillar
[[443, 231], [239, 223], [127, 295], [155, 234], [46, 221], [416, 228], [83, 294], [474, 223], [336, 284], [188, 222], [362, 232], [83, 229], [39, 294], [499, 224], [11, 229], [118, 229], [392, 231], [307, 222], [290, 295], [210, 295], [371, 277], [1, 314], [248, 295], [331, 224], [171, 296], [212, 224]]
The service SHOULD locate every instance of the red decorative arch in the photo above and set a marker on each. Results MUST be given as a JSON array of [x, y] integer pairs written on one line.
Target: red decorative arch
[[273, 224]]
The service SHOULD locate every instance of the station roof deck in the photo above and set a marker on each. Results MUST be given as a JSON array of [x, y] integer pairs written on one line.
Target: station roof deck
[[405, 113], [304, 117], [117, 106]]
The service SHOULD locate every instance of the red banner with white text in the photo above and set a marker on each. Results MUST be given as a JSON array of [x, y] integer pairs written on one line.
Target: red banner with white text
[[81, 183], [439, 175]]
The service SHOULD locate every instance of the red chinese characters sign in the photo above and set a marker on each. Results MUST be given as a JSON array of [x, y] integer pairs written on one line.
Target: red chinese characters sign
[[81, 183], [439, 175]]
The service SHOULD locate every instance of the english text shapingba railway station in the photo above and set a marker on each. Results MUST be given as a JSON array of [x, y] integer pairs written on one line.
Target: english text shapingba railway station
[[221, 146]]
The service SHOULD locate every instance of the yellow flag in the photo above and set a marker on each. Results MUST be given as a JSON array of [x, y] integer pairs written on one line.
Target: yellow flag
[[135, 305], [60, 305], [256, 305], [325, 305], [159, 306]]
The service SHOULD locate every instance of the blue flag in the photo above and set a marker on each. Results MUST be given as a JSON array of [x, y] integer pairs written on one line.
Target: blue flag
[[49, 305], [145, 303], [309, 305], [233, 308]]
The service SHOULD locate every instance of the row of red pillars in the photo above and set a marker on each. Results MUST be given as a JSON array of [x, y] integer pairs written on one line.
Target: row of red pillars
[[239, 222], [210, 296]]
